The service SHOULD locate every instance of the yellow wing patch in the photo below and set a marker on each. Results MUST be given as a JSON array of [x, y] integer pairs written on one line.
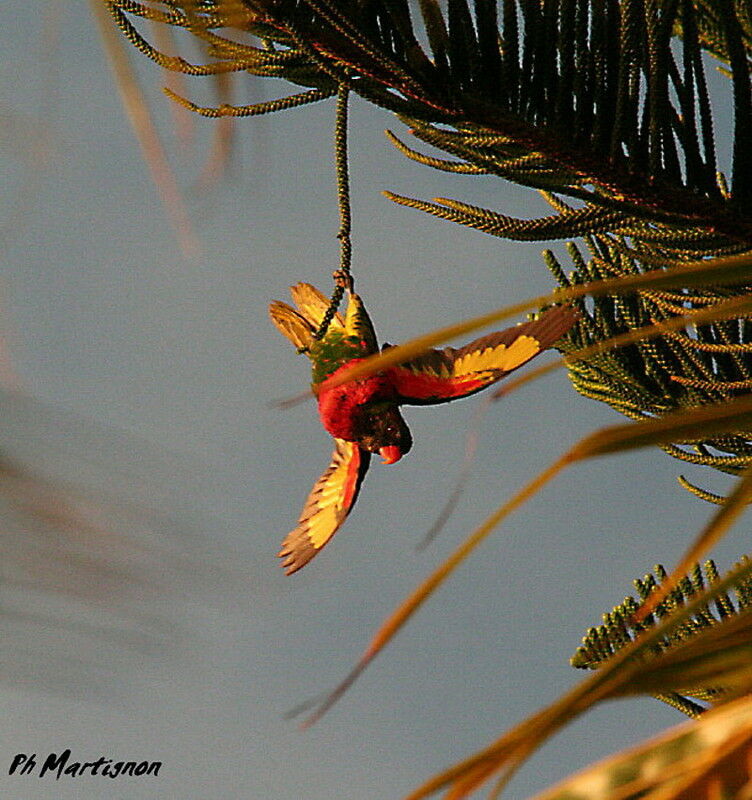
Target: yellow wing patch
[[504, 357], [327, 506], [440, 376]]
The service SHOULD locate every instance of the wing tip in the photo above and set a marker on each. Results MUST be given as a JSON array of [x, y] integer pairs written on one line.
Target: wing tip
[[565, 311], [297, 550], [289, 565], [553, 323]]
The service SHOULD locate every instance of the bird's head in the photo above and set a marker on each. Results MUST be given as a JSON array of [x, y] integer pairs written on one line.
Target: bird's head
[[386, 433]]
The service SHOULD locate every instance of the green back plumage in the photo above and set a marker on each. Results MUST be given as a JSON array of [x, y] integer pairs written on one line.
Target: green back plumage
[[338, 345], [345, 339], [331, 352]]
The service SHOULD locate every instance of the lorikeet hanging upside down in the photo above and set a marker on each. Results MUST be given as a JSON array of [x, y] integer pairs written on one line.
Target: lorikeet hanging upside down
[[363, 416]]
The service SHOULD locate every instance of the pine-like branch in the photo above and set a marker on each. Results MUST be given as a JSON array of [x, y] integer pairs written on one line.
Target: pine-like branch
[[604, 106]]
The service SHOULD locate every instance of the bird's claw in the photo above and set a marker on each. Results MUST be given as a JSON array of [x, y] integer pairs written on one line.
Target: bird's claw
[[343, 279]]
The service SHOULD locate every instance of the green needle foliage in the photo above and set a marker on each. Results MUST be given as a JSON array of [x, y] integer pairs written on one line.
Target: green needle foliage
[[619, 627], [602, 105]]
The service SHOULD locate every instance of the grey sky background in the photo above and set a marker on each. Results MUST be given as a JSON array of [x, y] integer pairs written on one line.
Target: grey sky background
[[171, 634]]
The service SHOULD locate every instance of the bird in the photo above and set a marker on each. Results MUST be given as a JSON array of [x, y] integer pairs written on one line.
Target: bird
[[363, 416]]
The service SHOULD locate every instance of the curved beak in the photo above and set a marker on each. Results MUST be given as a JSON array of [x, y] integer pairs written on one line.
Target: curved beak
[[390, 454]]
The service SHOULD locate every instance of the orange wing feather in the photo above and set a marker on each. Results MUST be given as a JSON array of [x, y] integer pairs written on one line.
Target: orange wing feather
[[327, 506], [439, 376]]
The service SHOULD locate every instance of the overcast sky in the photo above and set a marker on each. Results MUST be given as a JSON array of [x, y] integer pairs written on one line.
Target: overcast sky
[[166, 629]]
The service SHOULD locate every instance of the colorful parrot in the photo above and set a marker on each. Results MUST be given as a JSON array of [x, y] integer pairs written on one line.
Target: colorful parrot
[[363, 416]]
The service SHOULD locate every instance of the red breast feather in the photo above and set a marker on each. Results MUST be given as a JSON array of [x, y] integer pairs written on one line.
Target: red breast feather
[[340, 407]]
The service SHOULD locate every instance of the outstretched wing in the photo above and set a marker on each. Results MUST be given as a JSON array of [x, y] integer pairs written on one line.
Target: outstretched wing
[[439, 376], [327, 506]]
